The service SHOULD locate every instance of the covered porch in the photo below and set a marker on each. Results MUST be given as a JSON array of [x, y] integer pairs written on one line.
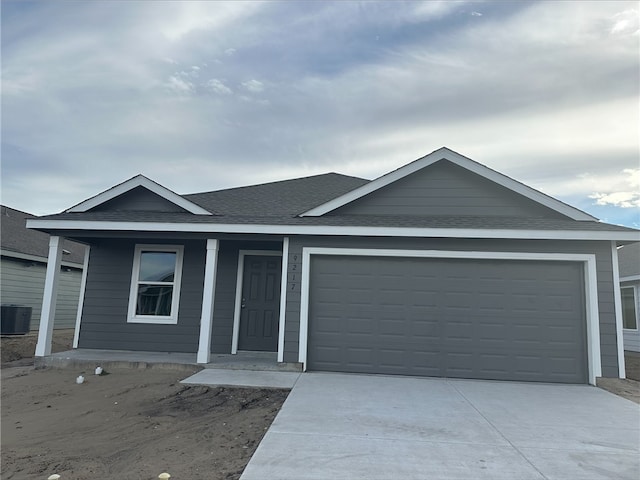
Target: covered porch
[[206, 323]]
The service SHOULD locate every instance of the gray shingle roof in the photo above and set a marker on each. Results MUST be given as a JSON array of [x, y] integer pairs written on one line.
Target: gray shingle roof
[[15, 237], [287, 197], [279, 203]]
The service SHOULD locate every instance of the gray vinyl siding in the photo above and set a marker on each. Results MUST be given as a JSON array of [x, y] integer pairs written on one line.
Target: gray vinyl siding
[[446, 189], [104, 317], [138, 199], [22, 283], [602, 250]]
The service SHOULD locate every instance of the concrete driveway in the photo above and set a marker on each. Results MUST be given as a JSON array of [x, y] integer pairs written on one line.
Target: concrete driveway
[[340, 426]]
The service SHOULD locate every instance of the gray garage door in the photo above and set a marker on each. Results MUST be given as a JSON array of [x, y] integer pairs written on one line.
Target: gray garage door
[[489, 319]]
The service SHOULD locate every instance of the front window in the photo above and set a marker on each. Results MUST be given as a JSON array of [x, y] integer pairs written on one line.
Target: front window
[[155, 284], [629, 311]]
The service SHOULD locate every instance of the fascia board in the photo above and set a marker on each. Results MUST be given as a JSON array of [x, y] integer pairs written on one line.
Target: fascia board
[[462, 161], [139, 181], [324, 230]]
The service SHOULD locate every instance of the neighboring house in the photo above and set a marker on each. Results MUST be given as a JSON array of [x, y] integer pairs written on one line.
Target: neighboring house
[[23, 266], [443, 267], [629, 261]]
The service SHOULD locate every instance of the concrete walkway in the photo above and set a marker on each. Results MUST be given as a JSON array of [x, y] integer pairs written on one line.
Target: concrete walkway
[[243, 378], [337, 426]]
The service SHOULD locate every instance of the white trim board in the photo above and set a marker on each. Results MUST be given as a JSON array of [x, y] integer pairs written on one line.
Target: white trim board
[[591, 288], [237, 309], [208, 301], [83, 288], [283, 298], [617, 301], [630, 278], [334, 230], [444, 153], [134, 182]]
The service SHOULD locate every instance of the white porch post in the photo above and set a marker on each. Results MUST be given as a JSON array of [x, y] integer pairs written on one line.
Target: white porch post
[[208, 297], [83, 288], [50, 297]]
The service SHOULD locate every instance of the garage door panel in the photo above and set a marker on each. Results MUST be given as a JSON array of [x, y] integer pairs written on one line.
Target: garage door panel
[[501, 319]]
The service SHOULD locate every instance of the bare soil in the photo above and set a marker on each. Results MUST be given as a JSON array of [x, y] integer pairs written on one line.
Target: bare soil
[[19, 349], [128, 424], [629, 387], [135, 424]]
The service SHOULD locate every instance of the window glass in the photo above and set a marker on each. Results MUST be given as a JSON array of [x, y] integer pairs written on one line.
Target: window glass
[[154, 300], [629, 319], [157, 266]]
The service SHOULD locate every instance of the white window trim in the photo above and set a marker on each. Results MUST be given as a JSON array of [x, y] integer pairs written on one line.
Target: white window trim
[[238, 303], [590, 281], [177, 281], [635, 302]]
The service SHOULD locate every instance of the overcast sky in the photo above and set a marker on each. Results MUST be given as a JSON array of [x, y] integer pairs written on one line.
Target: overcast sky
[[207, 95]]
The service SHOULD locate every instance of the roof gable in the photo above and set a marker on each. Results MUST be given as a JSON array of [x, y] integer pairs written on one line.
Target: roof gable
[[445, 188], [462, 162], [133, 191]]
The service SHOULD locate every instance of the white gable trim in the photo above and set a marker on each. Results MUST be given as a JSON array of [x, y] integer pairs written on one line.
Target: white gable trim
[[139, 181], [464, 162], [333, 230]]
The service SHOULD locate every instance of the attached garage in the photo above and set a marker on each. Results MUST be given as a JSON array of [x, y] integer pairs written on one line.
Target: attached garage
[[485, 318]]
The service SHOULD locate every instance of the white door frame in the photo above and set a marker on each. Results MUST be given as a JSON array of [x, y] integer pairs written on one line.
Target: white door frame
[[590, 287]]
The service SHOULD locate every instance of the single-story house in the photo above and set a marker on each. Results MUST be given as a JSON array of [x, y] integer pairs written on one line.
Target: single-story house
[[23, 264], [443, 267], [629, 261]]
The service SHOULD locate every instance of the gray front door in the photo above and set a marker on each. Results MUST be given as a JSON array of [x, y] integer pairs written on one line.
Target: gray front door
[[488, 319], [260, 303]]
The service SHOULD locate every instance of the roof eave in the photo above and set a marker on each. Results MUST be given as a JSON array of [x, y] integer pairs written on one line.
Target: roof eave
[[328, 230]]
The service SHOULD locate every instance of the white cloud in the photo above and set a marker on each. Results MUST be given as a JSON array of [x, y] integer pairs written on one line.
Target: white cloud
[[188, 17], [254, 86], [516, 89], [217, 86], [626, 22], [624, 192], [179, 85]]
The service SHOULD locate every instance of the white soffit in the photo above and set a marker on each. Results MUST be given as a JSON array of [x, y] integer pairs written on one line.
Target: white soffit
[[446, 154], [138, 181]]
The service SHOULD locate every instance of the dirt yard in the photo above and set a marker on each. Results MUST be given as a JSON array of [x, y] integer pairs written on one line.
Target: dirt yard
[[129, 424], [135, 424]]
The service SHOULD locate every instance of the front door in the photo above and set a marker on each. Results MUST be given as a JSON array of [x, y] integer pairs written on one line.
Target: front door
[[260, 303]]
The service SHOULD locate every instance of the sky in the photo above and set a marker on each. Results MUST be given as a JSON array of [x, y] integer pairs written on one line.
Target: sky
[[201, 96]]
